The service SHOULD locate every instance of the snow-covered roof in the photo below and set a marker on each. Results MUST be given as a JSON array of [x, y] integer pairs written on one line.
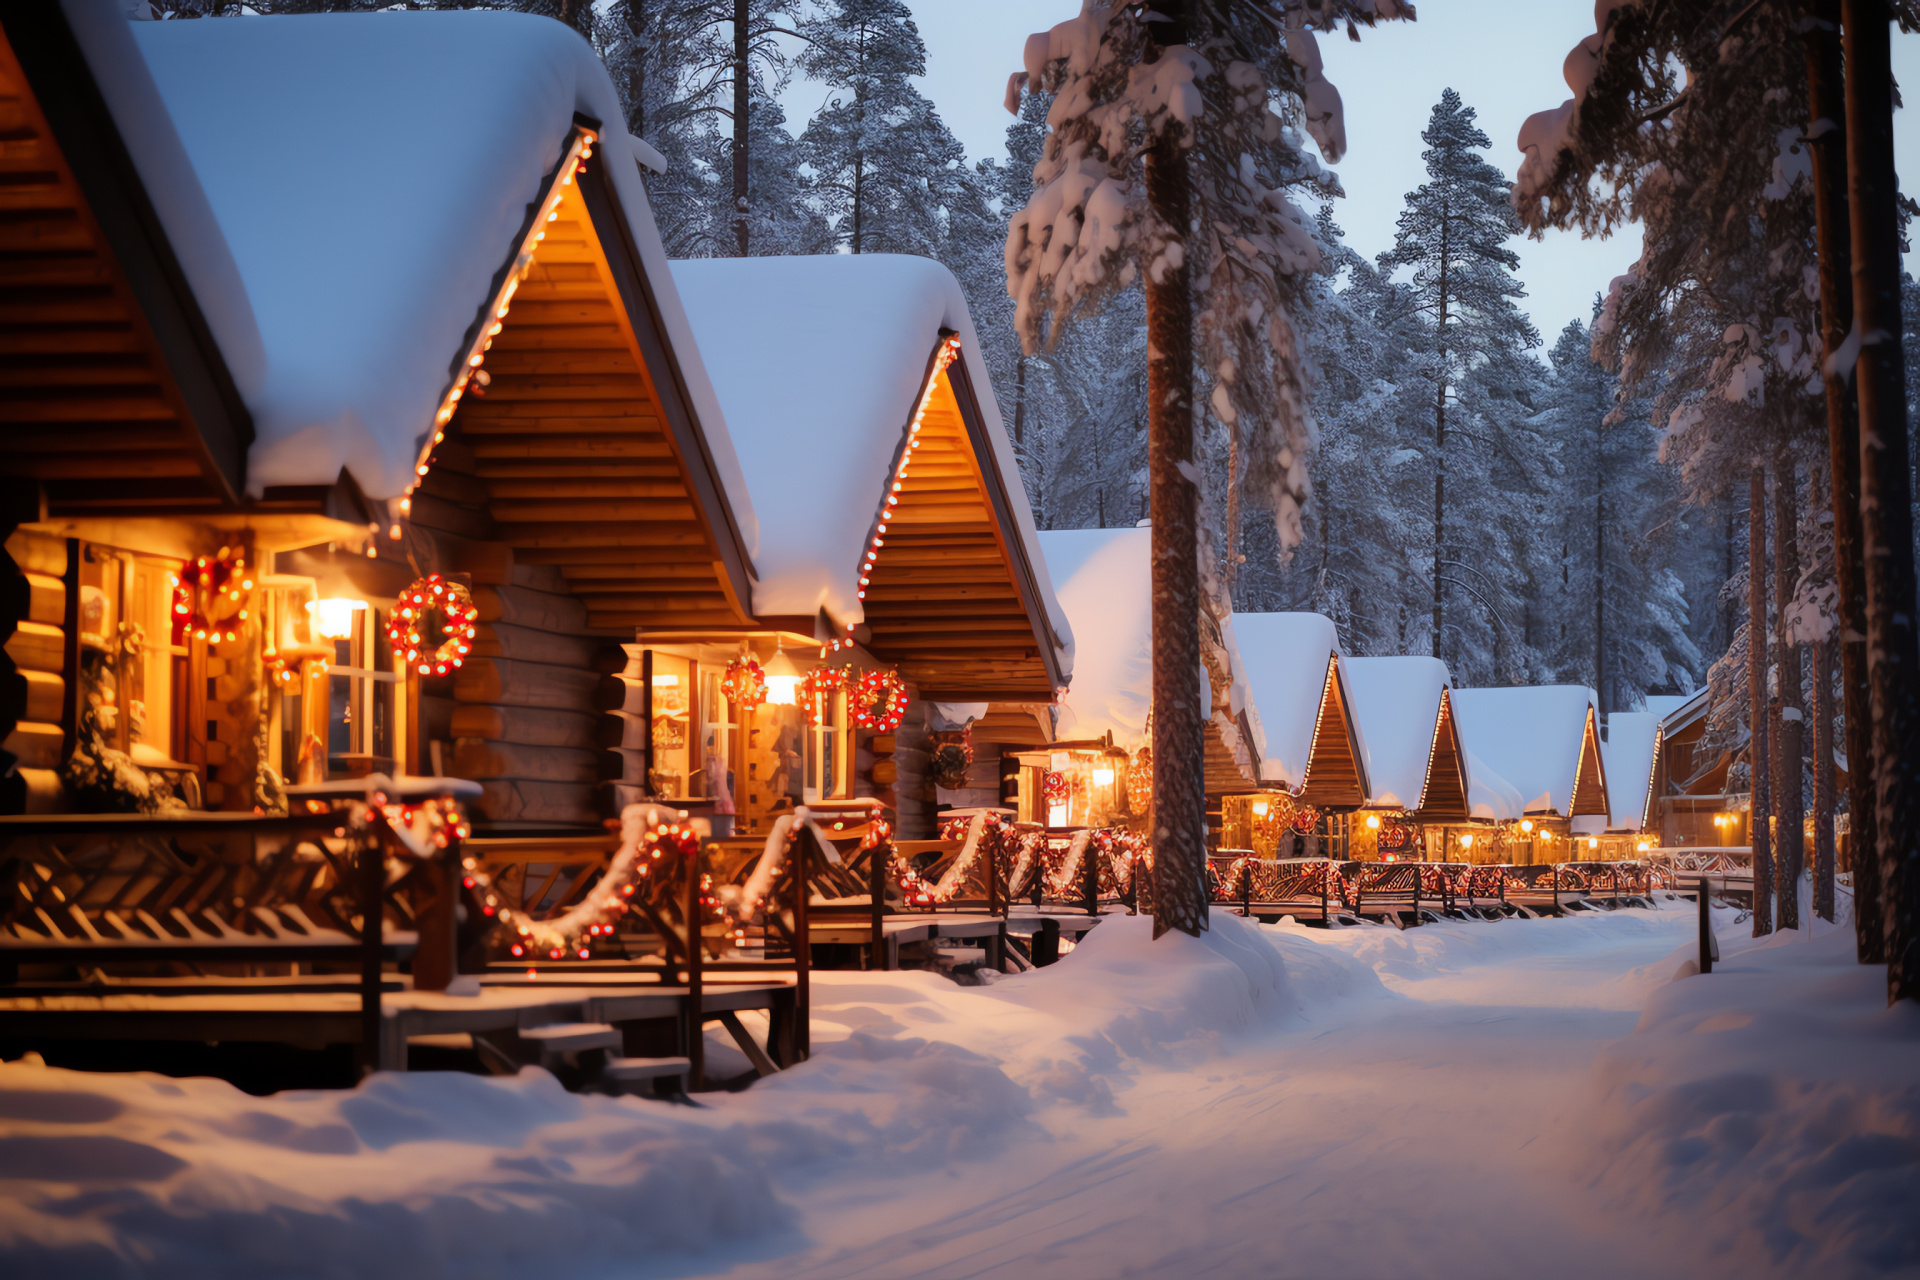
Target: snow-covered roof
[[1523, 747], [1632, 737], [819, 361], [1396, 704], [367, 175], [1287, 656], [1662, 705], [1106, 591]]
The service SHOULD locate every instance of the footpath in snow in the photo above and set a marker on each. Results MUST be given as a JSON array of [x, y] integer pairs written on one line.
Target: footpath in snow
[[1478, 1100]]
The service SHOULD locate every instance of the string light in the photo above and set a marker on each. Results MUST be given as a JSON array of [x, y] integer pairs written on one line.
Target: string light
[[470, 373], [943, 356]]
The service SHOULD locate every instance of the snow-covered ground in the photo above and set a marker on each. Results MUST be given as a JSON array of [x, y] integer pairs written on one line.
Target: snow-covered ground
[[1486, 1100]]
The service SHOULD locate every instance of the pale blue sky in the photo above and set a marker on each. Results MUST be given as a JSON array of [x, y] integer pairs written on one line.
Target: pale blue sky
[[1503, 56]]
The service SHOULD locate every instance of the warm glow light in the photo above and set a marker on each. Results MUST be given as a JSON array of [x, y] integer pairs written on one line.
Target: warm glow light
[[1373, 822], [1057, 815], [783, 691], [1643, 846], [666, 680], [1103, 777], [1260, 808], [333, 618], [1526, 825], [1593, 842], [1466, 840]]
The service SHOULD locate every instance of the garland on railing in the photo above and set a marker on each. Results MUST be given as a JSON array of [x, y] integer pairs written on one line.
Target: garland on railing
[[646, 837], [917, 891]]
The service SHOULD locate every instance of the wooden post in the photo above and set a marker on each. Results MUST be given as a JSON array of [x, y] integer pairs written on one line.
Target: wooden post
[[696, 1023], [1246, 887], [1090, 878], [1418, 867], [877, 869], [373, 893], [435, 959], [802, 946], [1706, 929]]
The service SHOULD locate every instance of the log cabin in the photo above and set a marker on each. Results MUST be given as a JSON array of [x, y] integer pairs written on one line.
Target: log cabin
[[1534, 769], [1416, 768], [895, 539], [1312, 748], [449, 349], [133, 371], [1630, 747], [1102, 725]]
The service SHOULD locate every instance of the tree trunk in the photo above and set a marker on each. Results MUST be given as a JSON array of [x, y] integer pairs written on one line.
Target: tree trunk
[[1789, 796], [1826, 129], [1757, 703], [1823, 780], [1440, 448], [742, 105], [1600, 566], [1886, 518], [1179, 772]]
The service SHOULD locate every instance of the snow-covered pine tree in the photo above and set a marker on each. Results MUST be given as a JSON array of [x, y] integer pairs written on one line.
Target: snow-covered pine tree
[[1617, 606], [888, 175], [1761, 82], [1166, 160], [1453, 237]]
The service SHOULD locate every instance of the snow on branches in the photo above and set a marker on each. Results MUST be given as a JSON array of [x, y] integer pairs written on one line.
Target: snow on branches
[[1241, 96]]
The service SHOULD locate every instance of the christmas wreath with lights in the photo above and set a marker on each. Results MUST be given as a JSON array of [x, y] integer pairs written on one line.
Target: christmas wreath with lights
[[878, 700], [744, 683], [210, 597], [420, 601]]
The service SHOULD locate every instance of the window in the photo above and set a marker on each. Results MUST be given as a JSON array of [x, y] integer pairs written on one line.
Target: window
[[826, 747], [716, 742], [361, 685]]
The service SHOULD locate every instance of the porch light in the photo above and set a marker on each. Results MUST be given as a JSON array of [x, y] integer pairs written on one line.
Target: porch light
[[1103, 777], [333, 618], [783, 680], [1593, 842], [1373, 822], [1260, 808], [1466, 840], [1643, 847], [1526, 826]]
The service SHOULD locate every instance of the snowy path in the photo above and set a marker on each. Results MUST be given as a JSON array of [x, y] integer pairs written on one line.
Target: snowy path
[[1411, 1136], [1488, 1100]]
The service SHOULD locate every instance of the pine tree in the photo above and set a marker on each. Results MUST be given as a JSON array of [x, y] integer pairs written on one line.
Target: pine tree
[[1621, 619], [889, 176], [1453, 235], [1165, 162]]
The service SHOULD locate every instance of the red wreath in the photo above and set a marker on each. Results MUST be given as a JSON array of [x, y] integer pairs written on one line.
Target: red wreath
[[878, 700], [1305, 819], [410, 613], [1056, 789], [209, 597], [744, 684]]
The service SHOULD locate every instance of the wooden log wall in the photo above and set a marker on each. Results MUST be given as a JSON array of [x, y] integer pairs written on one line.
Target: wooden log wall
[[33, 687], [913, 801], [520, 717]]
